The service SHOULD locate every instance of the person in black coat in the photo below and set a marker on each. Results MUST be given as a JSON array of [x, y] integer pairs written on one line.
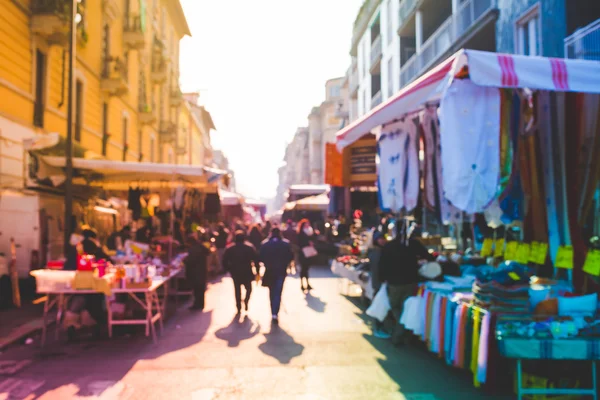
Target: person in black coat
[[256, 237], [276, 254], [241, 261], [196, 271]]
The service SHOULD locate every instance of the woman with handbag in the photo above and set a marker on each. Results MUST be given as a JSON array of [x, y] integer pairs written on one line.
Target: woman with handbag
[[308, 252]]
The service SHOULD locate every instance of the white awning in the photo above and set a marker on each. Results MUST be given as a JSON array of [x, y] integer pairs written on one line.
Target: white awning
[[313, 203], [118, 174], [230, 198]]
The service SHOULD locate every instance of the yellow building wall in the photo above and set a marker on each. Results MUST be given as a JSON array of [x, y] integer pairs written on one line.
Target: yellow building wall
[[17, 78], [16, 64]]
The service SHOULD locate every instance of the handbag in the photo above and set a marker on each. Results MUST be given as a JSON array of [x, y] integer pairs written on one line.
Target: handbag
[[309, 251]]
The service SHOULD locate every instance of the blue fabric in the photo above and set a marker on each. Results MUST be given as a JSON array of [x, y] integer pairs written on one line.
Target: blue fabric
[[275, 291], [449, 330]]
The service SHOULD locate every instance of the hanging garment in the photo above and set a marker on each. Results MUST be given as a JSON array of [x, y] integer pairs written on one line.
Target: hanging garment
[[398, 170], [450, 330], [511, 200], [506, 147], [470, 120], [475, 346], [133, 203], [590, 162], [434, 189], [482, 357], [551, 124]]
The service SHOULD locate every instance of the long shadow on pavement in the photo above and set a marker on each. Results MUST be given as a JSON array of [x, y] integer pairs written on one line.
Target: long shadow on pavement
[[100, 365], [315, 303], [419, 372], [238, 331], [280, 345]]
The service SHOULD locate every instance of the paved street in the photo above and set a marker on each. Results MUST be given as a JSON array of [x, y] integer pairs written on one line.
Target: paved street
[[321, 350]]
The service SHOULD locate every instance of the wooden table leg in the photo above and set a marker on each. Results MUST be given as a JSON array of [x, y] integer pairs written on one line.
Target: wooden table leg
[[158, 308], [61, 305], [150, 324], [110, 316], [45, 319]]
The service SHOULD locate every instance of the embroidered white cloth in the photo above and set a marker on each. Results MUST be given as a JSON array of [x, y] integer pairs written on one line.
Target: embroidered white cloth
[[470, 139]]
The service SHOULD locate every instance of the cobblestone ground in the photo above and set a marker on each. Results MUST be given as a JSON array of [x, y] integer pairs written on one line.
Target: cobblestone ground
[[322, 349]]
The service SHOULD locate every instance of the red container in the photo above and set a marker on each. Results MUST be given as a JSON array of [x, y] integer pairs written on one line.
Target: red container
[[56, 264], [85, 262]]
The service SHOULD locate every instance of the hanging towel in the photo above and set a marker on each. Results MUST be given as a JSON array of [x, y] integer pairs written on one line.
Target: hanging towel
[[475, 346], [396, 172], [482, 358], [470, 120]]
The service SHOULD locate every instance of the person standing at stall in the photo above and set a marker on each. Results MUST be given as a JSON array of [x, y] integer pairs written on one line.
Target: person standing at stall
[[196, 270], [276, 254], [241, 261], [307, 252], [374, 256], [399, 267]]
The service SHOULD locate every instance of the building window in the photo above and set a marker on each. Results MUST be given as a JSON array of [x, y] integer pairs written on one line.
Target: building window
[[78, 110], [528, 37], [140, 147], [125, 138], [389, 21], [152, 146], [335, 91], [170, 157], [126, 62], [105, 134], [390, 79], [40, 89]]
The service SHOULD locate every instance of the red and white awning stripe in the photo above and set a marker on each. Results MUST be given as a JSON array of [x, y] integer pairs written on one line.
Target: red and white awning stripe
[[485, 69]]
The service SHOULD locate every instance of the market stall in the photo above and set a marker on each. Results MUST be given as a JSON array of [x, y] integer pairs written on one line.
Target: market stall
[[501, 141]]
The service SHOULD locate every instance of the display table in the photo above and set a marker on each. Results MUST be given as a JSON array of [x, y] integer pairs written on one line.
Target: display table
[[552, 349], [151, 304]]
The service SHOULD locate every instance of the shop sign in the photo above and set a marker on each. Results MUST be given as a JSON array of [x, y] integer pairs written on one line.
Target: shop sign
[[334, 162], [362, 161]]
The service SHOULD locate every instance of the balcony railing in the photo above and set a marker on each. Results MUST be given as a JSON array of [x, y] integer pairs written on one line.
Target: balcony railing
[[376, 100], [467, 16], [158, 73], [376, 51], [146, 116], [114, 76], [133, 34], [176, 97], [584, 44], [362, 20], [49, 20], [406, 8], [168, 132]]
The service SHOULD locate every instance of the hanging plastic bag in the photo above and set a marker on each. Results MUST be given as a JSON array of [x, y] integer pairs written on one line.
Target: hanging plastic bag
[[411, 316], [380, 306]]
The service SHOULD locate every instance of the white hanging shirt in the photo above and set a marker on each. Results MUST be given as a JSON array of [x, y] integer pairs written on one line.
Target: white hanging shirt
[[398, 169], [470, 139]]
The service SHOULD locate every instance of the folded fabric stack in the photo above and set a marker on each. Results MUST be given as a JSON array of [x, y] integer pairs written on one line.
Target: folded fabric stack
[[505, 290]]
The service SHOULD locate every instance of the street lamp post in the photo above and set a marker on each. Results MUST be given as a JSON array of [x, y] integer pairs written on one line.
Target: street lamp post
[[69, 142]]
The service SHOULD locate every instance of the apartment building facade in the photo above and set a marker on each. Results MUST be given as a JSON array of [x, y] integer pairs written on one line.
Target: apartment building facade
[[323, 123], [128, 105], [396, 41]]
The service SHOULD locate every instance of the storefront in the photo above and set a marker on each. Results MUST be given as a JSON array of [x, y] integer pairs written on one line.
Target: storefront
[[507, 142]]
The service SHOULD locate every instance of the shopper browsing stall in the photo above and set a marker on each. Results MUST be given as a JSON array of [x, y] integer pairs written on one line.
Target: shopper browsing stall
[[196, 270], [399, 267], [374, 255], [306, 237]]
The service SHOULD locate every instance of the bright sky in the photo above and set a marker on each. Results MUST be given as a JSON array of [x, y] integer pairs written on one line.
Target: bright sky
[[260, 67]]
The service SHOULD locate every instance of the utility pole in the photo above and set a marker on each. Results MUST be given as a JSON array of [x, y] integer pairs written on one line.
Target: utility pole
[[68, 228]]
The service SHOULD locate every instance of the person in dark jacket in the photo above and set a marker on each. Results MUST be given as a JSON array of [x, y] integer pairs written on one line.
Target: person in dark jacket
[[118, 238], [374, 256], [306, 237], [399, 267], [255, 237], [241, 261], [196, 270], [276, 254], [221, 242]]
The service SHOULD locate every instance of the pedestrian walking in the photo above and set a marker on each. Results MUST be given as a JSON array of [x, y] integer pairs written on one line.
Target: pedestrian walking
[[256, 237], [241, 261], [307, 251], [276, 254], [221, 242], [196, 270]]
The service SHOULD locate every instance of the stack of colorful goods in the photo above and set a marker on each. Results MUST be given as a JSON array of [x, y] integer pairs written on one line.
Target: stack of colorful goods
[[504, 290]]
